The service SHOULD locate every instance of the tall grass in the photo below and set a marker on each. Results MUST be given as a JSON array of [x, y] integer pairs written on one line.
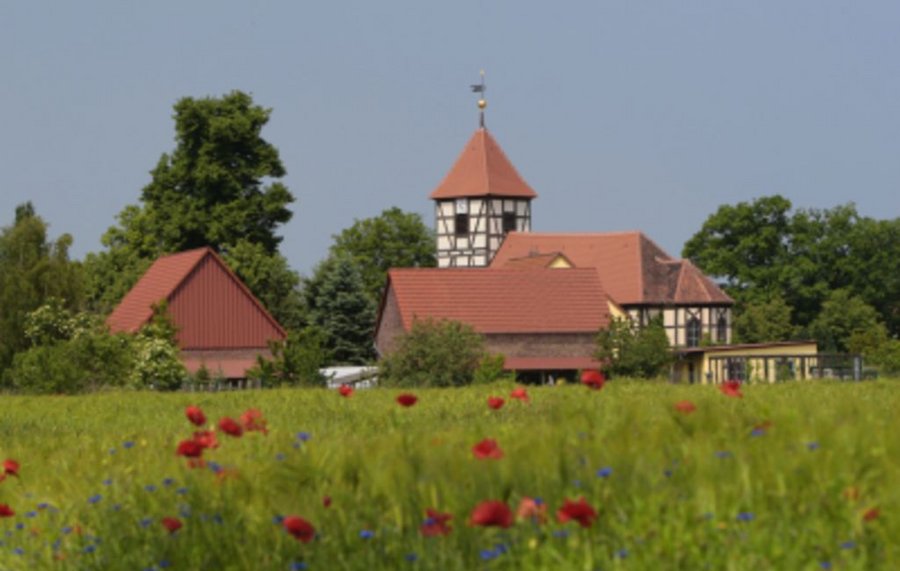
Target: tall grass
[[672, 491]]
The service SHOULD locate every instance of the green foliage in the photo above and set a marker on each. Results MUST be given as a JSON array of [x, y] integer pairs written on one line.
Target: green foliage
[[296, 361], [490, 370], [433, 353], [763, 321], [269, 277], [210, 191], [156, 365], [877, 348], [393, 239], [763, 250], [32, 270], [338, 304], [842, 315], [631, 351]]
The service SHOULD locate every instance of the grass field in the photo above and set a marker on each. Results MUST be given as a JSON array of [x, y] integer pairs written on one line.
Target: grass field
[[786, 477]]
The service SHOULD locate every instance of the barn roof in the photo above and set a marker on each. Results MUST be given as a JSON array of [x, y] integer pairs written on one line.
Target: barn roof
[[482, 169], [503, 300], [169, 275], [633, 269]]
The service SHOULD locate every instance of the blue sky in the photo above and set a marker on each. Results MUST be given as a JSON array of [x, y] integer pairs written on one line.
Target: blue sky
[[621, 115]]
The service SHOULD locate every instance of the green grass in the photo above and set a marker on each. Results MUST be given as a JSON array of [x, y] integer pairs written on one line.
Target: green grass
[[672, 501]]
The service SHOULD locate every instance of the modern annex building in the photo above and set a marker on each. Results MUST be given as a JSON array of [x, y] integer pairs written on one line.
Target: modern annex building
[[544, 319], [221, 325]]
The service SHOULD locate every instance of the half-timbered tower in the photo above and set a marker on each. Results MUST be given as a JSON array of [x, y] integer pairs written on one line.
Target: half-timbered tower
[[481, 199]]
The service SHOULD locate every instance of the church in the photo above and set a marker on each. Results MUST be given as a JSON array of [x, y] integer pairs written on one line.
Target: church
[[540, 298]]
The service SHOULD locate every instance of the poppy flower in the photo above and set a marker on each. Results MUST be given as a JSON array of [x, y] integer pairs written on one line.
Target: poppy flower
[[195, 415], [206, 439], [495, 402], [6, 511], [519, 393], [487, 449], [345, 390], [491, 513], [532, 509], [253, 421], [10, 467], [301, 529], [326, 501], [731, 389], [189, 449], [579, 511], [173, 524], [593, 379], [685, 406], [407, 399], [230, 427], [871, 514], [435, 523]]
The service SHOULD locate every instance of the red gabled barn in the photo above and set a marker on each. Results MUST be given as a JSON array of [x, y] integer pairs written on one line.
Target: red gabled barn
[[221, 325]]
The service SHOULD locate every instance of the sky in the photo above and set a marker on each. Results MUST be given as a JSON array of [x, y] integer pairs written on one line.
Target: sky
[[621, 115]]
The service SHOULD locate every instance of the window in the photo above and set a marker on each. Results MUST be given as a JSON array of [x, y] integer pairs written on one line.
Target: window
[[462, 224], [509, 222], [722, 330], [693, 332]]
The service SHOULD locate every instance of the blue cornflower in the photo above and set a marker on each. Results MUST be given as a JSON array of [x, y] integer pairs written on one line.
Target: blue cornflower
[[19, 551], [112, 450], [298, 566], [164, 563], [303, 436], [43, 505], [295, 445], [95, 498], [667, 473], [117, 507], [127, 444], [107, 482], [757, 432], [488, 554], [622, 553], [849, 544], [812, 445], [31, 514], [500, 548], [184, 510], [723, 454], [538, 500], [90, 548], [411, 557], [20, 526], [168, 481], [279, 457], [217, 518], [150, 488], [146, 522], [277, 519], [604, 472], [745, 516], [825, 564], [181, 491], [576, 483], [367, 534], [561, 533], [67, 530], [214, 466]]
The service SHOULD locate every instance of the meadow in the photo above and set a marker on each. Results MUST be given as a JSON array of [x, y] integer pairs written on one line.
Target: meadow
[[790, 476]]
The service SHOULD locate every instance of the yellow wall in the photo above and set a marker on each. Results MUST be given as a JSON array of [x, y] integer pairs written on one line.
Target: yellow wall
[[560, 262], [759, 369]]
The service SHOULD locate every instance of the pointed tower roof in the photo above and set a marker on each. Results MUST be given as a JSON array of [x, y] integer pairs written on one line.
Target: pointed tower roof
[[483, 170]]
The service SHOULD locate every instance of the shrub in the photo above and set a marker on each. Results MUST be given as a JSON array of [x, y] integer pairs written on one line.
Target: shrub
[[433, 353], [631, 351], [295, 361], [490, 369]]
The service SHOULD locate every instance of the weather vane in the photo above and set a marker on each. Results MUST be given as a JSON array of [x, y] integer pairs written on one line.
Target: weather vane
[[482, 102]]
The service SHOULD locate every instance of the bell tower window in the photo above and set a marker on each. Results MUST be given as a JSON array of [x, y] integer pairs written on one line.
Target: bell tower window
[[462, 224], [509, 222]]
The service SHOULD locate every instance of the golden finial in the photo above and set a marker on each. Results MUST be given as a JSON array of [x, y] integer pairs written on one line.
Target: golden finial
[[482, 102]]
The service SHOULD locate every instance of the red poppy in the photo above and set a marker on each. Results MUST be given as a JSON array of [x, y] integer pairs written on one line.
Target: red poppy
[[519, 393], [495, 402], [173, 524], [593, 379], [253, 421], [301, 529], [685, 406], [189, 449], [206, 439], [229, 426], [6, 511], [435, 523], [532, 509], [491, 513], [326, 501], [407, 399], [195, 415], [580, 511], [731, 389], [345, 390], [871, 514], [487, 449], [10, 467]]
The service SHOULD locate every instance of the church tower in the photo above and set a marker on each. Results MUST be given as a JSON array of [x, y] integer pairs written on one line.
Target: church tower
[[481, 199]]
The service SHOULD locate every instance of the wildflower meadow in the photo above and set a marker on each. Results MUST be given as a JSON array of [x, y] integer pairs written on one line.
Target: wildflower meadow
[[615, 475]]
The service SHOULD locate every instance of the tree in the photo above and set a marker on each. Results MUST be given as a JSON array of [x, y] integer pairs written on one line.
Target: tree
[[842, 315], [295, 361], [338, 304], [210, 191], [629, 350], [394, 239], [32, 270], [433, 353], [763, 321]]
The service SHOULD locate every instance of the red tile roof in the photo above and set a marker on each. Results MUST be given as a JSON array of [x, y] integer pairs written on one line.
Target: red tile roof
[[633, 269], [503, 300], [550, 363], [483, 170]]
